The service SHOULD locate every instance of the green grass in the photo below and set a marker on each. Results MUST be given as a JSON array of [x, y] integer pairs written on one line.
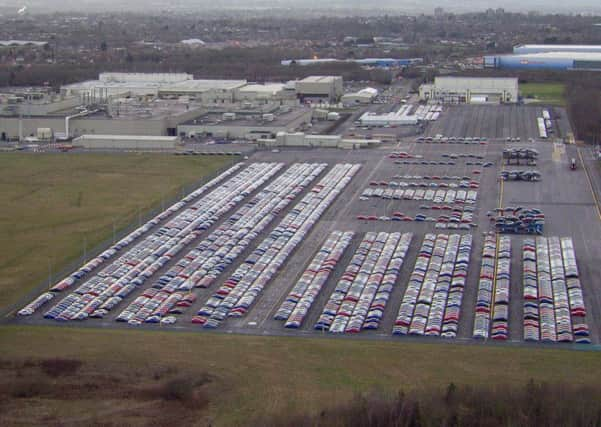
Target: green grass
[[546, 93], [53, 204], [257, 376]]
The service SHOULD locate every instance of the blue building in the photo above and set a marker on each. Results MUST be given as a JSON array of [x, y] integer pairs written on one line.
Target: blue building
[[562, 61], [545, 48]]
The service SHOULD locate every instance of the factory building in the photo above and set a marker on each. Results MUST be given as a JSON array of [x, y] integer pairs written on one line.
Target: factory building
[[364, 96], [300, 139], [245, 125], [561, 61], [328, 88], [126, 142], [523, 49], [124, 116], [470, 90], [121, 84], [157, 104]]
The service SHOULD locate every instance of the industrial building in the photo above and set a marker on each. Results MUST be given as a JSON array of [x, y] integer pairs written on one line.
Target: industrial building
[[122, 84], [300, 139], [328, 88], [470, 90], [157, 104], [364, 96], [127, 116], [405, 116], [559, 60], [126, 142], [205, 91], [208, 92], [367, 62], [523, 49], [245, 125]]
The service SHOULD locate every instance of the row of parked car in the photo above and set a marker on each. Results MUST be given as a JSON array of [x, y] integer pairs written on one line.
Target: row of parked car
[[453, 140], [500, 314], [435, 196], [101, 259], [421, 178], [365, 301], [202, 265], [154, 251], [530, 282], [304, 292], [552, 292], [360, 296], [484, 296], [443, 318], [238, 293], [431, 304]]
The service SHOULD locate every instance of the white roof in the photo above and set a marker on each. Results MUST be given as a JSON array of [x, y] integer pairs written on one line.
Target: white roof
[[268, 88], [192, 41], [127, 137], [319, 79], [204, 85], [22, 43], [560, 47], [475, 82], [578, 56]]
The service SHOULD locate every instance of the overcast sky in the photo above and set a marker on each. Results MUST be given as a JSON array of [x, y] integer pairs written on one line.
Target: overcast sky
[[409, 6]]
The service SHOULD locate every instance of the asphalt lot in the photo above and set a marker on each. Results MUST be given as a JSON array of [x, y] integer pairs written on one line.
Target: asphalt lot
[[491, 121], [564, 196]]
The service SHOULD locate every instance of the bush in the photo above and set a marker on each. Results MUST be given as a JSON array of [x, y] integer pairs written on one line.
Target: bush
[[179, 389], [531, 404], [184, 391], [60, 367], [27, 389]]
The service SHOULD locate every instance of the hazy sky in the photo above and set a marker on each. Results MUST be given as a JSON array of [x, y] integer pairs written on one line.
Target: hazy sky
[[341, 6]]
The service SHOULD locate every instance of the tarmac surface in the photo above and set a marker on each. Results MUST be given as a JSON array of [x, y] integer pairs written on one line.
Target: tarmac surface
[[566, 197]]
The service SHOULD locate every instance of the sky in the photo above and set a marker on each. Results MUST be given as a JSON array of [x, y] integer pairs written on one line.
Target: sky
[[340, 6]]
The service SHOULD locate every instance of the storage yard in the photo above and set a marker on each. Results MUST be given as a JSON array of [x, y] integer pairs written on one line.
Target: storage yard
[[389, 243]]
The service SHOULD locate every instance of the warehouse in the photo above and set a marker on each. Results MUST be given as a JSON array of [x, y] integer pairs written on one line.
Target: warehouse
[[562, 61], [545, 48], [126, 142], [328, 88], [127, 116], [244, 125], [265, 93], [122, 84], [471, 90], [364, 96], [300, 139], [205, 91]]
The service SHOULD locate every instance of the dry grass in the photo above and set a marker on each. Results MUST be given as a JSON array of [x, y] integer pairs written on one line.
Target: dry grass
[[53, 204], [262, 376]]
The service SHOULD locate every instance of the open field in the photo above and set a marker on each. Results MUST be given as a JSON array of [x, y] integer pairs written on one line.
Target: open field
[[55, 204], [254, 376], [547, 93]]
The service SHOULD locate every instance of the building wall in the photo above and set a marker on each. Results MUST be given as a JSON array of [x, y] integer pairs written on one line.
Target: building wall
[[461, 90], [125, 144], [81, 126], [331, 88], [533, 63], [236, 131]]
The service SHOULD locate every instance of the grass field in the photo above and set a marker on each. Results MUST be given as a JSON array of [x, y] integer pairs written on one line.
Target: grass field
[[55, 204], [254, 376], [547, 93]]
